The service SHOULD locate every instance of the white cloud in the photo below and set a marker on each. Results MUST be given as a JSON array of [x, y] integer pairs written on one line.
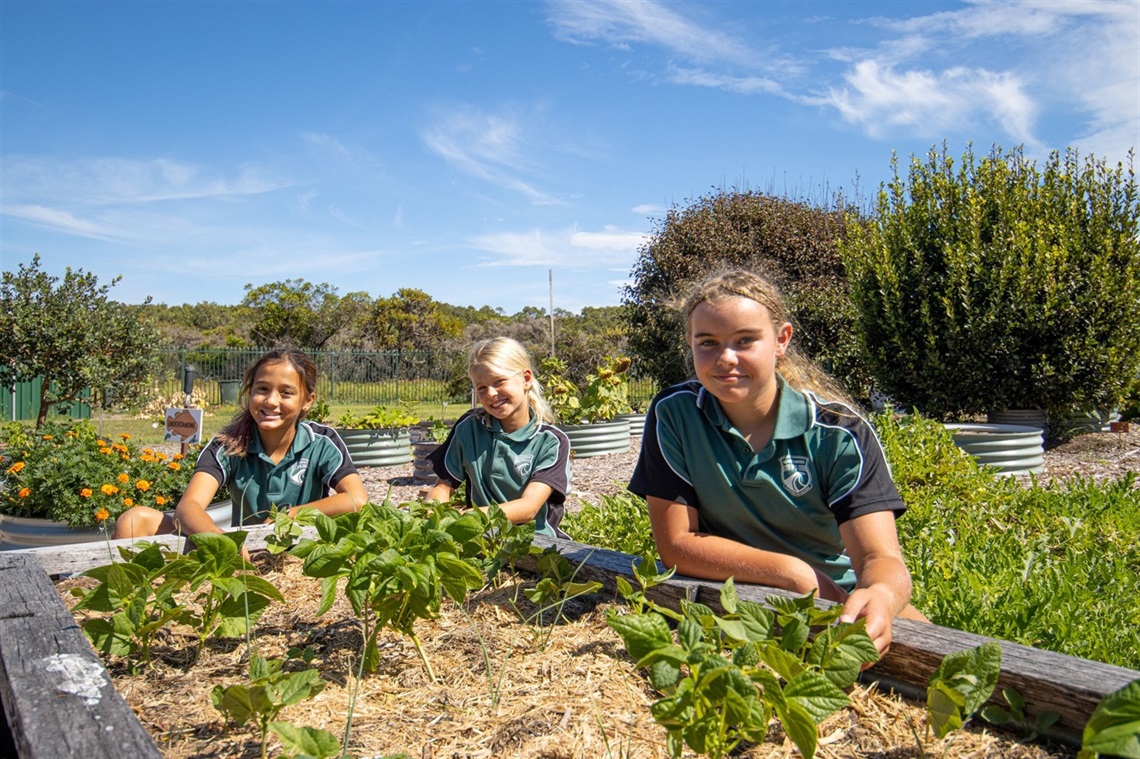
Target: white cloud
[[570, 248], [648, 209], [99, 181], [491, 147]]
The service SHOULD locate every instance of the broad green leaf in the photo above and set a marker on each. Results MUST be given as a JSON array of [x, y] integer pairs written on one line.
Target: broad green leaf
[[1114, 727], [818, 696], [689, 634], [944, 708], [794, 635], [799, 726], [625, 590], [641, 633], [306, 742], [234, 702], [111, 636], [733, 628], [235, 613], [728, 597], [785, 664], [973, 673], [756, 619], [328, 594], [295, 687], [664, 674]]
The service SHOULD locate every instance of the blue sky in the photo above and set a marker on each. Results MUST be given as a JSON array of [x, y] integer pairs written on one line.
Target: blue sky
[[466, 149]]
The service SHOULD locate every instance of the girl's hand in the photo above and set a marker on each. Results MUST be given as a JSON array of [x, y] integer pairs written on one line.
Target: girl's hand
[[878, 611]]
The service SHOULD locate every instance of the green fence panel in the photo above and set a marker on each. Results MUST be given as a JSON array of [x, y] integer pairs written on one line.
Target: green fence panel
[[23, 402]]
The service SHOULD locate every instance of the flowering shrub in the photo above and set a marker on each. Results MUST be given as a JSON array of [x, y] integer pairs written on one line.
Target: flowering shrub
[[65, 472]]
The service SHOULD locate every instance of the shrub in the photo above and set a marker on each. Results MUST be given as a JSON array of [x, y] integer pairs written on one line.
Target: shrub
[[789, 242], [618, 522], [997, 284], [67, 473], [379, 418]]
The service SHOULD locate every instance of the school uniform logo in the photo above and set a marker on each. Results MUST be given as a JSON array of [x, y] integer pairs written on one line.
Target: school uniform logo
[[795, 474], [523, 464], [297, 472]]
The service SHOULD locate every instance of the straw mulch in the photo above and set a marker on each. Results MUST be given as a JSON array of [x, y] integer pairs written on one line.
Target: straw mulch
[[553, 690]]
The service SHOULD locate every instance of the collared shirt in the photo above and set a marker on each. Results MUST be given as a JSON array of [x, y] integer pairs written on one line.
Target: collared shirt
[[497, 465], [823, 466], [316, 461]]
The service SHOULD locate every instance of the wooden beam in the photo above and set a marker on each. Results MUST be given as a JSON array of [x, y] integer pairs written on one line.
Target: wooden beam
[[58, 699]]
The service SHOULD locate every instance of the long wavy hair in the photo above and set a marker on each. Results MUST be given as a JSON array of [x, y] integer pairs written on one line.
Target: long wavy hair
[[237, 435], [798, 370], [507, 357]]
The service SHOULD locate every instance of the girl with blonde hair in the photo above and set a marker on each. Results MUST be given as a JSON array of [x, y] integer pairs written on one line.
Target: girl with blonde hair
[[761, 470], [507, 451]]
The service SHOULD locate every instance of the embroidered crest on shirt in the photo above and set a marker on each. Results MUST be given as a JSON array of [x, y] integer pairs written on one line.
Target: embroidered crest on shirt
[[297, 472], [795, 474], [523, 464]]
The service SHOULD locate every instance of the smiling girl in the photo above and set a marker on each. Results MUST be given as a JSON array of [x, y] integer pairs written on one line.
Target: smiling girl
[[507, 451], [760, 470], [267, 455]]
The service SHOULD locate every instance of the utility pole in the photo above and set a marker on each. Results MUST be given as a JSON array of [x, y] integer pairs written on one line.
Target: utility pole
[[551, 272]]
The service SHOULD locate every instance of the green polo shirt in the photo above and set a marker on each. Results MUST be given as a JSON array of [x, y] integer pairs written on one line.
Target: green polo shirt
[[497, 465], [315, 463], [823, 466]]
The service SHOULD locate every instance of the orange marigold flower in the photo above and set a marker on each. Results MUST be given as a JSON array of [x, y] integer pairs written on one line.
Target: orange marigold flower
[[175, 465], [105, 451], [85, 493], [160, 456], [159, 500], [24, 492], [16, 468], [100, 442], [142, 485], [128, 502], [125, 436], [124, 477], [178, 457], [148, 458], [47, 437], [101, 514], [108, 490]]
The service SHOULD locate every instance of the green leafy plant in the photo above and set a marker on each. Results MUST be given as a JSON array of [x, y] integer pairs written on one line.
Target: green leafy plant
[[556, 586], [66, 472], [269, 690], [306, 742], [963, 682], [319, 411], [1020, 281], [1114, 727], [619, 522], [1015, 715], [229, 597], [724, 676], [604, 396], [396, 566], [139, 600], [379, 418]]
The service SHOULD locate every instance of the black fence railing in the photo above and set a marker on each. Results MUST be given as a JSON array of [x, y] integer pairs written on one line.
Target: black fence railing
[[343, 377]]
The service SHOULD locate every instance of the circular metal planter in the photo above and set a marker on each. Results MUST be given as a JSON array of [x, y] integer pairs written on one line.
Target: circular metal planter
[[378, 447], [1021, 417], [636, 422], [597, 439], [29, 532], [1009, 448]]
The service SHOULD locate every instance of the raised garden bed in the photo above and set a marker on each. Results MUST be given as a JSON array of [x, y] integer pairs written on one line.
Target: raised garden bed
[[561, 690]]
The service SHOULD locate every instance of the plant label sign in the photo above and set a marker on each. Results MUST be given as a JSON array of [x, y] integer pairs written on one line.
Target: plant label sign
[[183, 425]]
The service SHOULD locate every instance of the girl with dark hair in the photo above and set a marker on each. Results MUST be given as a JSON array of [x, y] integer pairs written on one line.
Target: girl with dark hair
[[267, 455]]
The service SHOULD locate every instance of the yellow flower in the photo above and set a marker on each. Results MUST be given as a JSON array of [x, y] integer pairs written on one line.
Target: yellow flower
[[174, 465], [128, 502], [160, 500], [24, 492], [101, 514], [101, 442], [16, 468], [125, 436], [124, 477], [108, 490], [142, 485], [178, 457], [85, 493], [105, 451], [47, 437]]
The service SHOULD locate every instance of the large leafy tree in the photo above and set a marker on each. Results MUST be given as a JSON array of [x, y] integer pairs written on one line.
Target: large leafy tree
[[411, 321], [70, 333], [997, 283], [791, 243], [297, 314]]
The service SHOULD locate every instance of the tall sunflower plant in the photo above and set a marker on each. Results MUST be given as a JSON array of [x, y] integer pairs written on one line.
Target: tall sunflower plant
[[66, 472]]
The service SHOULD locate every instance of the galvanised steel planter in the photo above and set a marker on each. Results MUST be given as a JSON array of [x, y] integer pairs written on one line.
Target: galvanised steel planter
[[598, 438], [636, 422], [29, 532], [1009, 448], [392, 447]]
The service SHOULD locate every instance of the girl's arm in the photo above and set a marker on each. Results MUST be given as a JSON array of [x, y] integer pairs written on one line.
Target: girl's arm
[[883, 586], [190, 517], [349, 495], [440, 492], [697, 554], [524, 508]]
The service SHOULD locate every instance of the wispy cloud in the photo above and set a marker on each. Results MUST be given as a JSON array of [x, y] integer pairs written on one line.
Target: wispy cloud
[[99, 181], [493, 147], [609, 247]]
